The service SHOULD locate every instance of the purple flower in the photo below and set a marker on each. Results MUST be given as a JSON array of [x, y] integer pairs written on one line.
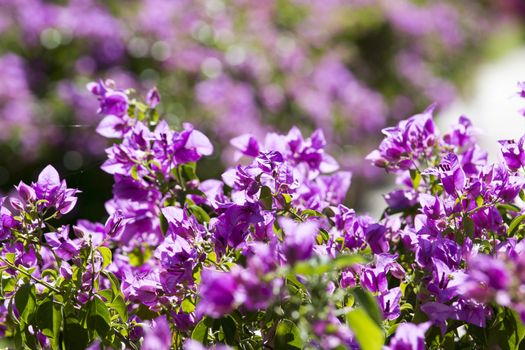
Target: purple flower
[[376, 238], [64, 247], [256, 294], [153, 98], [389, 303], [157, 335], [409, 336], [438, 313], [452, 175], [53, 192], [232, 226], [219, 293], [486, 277], [90, 232], [299, 239], [399, 200], [178, 258], [7, 222], [410, 140], [513, 153], [142, 286], [431, 206], [462, 133], [190, 145], [112, 102], [374, 278], [182, 224], [246, 145]]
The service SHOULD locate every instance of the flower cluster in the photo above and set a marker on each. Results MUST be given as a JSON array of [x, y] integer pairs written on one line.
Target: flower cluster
[[268, 256], [272, 58]]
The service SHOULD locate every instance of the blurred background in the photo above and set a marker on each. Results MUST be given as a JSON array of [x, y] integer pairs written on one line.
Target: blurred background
[[350, 67]]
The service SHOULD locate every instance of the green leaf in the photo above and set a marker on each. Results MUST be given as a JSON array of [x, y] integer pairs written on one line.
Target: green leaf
[[98, 317], [479, 200], [106, 294], [75, 336], [115, 284], [10, 257], [468, 226], [199, 213], [188, 171], [25, 301], [187, 306], [49, 320], [287, 336], [107, 256], [415, 176], [287, 199], [200, 332], [134, 173], [310, 212], [367, 332], [369, 304], [119, 305], [145, 313], [312, 267], [139, 255], [291, 279], [514, 224], [229, 329], [508, 332], [266, 197], [328, 212], [347, 260]]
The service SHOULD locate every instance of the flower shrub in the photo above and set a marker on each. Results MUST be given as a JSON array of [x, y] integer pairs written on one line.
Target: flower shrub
[[268, 256]]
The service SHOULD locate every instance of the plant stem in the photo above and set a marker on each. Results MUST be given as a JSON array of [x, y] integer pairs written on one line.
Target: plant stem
[[44, 283]]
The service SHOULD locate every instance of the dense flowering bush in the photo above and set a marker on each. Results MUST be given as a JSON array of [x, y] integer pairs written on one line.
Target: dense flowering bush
[[346, 66], [268, 256]]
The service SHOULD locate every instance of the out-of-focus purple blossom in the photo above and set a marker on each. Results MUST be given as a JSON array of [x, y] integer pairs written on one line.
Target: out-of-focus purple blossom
[[409, 336], [401, 199], [157, 335], [219, 293], [299, 239], [486, 277], [153, 98], [521, 87], [191, 344]]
